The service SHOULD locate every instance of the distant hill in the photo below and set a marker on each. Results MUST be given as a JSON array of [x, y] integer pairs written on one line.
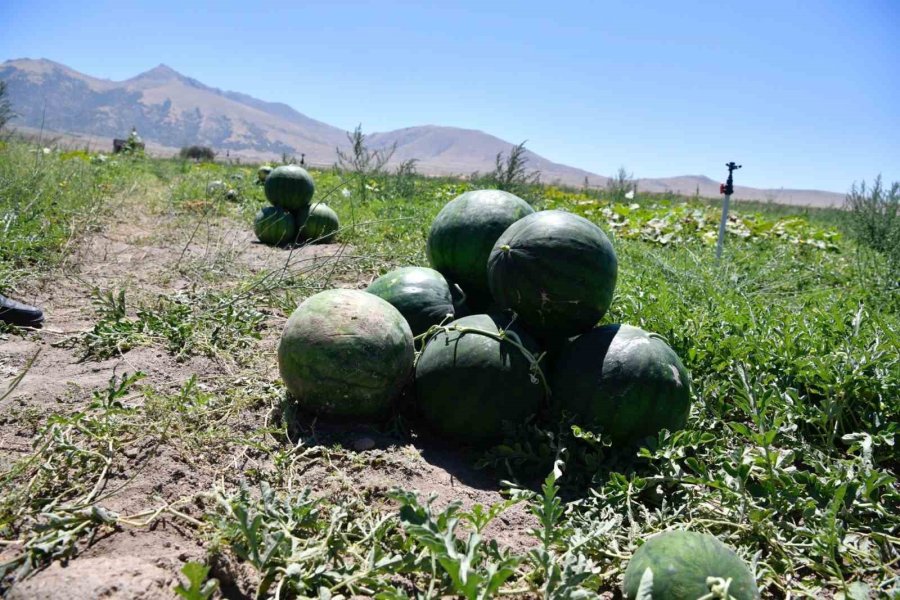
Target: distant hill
[[171, 110], [708, 188]]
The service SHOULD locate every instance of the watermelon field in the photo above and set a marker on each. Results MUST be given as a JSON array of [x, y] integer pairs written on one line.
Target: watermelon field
[[179, 428]]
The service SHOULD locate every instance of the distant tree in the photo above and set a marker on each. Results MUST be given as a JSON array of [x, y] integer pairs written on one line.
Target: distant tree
[[6, 111], [198, 153]]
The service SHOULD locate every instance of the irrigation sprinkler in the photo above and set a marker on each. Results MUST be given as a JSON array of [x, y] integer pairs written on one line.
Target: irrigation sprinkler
[[726, 188]]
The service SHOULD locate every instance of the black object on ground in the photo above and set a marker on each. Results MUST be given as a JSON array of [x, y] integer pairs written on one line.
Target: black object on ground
[[17, 313]]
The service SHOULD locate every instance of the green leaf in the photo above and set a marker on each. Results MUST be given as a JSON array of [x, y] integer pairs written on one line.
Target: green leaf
[[859, 590], [197, 589]]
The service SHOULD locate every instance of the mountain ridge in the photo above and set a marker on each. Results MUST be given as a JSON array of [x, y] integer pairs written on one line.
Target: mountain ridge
[[172, 110]]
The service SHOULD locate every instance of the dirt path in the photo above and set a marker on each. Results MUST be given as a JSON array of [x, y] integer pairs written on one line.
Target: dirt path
[[152, 254]]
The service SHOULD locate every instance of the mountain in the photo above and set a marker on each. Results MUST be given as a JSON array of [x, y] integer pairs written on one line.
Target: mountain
[[171, 111], [166, 107], [451, 150], [705, 187]]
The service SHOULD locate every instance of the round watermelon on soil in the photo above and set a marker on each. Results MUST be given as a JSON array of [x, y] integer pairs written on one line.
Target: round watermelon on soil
[[622, 381], [463, 233], [321, 225], [290, 187], [420, 294], [263, 172], [345, 353], [275, 226], [556, 270], [468, 382], [679, 564]]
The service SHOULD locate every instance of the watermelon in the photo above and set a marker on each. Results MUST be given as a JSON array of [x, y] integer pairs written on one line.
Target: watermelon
[[420, 294], [263, 172], [463, 233], [679, 564], [468, 383], [556, 270], [321, 226], [290, 187], [215, 186], [345, 353], [622, 381], [275, 226]]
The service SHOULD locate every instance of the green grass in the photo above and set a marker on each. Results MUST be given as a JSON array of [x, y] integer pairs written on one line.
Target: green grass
[[790, 454], [50, 200]]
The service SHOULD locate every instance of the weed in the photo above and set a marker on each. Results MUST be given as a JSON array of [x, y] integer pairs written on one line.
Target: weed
[[187, 324], [199, 587], [874, 220], [511, 174]]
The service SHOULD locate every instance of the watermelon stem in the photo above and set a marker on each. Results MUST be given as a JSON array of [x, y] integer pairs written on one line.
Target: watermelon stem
[[504, 335], [718, 589]]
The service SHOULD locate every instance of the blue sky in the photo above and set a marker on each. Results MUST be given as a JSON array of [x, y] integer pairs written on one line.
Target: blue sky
[[804, 94]]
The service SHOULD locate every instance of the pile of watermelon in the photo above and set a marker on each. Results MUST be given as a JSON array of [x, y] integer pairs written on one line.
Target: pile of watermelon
[[293, 217], [501, 328]]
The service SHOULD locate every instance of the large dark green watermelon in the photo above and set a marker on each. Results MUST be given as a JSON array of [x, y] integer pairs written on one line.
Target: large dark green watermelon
[[467, 383], [463, 233], [275, 226], [420, 294], [622, 381], [556, 270], [321, 225], [290, 187], [680, 563], [345, 353]]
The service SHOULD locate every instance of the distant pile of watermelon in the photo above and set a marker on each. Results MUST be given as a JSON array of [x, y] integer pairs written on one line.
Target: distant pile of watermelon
[[292, 217], [510, 291]]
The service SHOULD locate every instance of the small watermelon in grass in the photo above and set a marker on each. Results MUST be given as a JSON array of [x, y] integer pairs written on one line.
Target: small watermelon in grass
[[684, 565], [290, 187], [463, 233], [622, 381], [345, 353], [422, 296], [468, 382], [321, 225], [263, 172], [275, 226], [556, 270]]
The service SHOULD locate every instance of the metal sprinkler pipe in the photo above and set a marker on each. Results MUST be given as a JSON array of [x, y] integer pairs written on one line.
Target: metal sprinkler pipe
[[727, 189]]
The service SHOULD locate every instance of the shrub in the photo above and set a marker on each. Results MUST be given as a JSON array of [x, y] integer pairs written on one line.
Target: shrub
[[874, 220], [6, 111], [198, 153], [620, 184], [511, 174]]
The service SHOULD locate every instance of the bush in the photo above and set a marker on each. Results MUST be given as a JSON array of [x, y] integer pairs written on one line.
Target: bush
[[198, 153], [874, 220], [620, 184], [512, 175], [6, 111]]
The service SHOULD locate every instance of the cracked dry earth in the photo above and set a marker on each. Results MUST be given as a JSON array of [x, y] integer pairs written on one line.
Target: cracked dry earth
[[149, 255]]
